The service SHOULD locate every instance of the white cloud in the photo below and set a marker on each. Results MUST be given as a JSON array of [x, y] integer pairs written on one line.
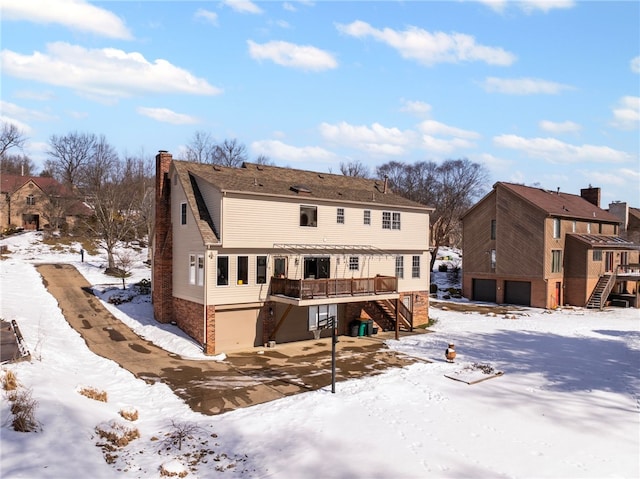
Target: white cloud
[[417, 108], [546, 6], [626, 116], [73, 14], [23, 114], [243, 6], [635, 64], [104, 74], [376, 139], [528, 6], [35, 95], [559, 128], [207, 15], [523, 86], [167, 116], [430, 48], [287, 54], [282, 152], [556, 151], [444, 139], [432, 127], [444, 146], [23, 127]]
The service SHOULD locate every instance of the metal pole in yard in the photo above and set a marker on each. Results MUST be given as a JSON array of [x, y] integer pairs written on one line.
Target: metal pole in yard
[[334, 340]]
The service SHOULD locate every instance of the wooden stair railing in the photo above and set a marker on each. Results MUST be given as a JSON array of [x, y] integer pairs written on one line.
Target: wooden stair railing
[[601, 291]]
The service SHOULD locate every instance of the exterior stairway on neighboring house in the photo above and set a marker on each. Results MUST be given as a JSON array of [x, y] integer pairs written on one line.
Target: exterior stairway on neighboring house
[[600, 293], [384, 314]]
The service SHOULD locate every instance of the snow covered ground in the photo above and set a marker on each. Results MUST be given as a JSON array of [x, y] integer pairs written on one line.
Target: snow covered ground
[[567, 406]]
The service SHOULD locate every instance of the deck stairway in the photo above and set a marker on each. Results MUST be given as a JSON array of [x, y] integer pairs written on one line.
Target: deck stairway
[[600, 293], [383, 313]]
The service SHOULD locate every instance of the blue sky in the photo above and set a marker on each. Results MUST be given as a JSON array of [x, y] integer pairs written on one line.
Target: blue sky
[[540, 92]]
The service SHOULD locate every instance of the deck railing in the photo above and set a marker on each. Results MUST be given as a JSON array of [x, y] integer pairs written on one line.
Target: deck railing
[[330, 287]]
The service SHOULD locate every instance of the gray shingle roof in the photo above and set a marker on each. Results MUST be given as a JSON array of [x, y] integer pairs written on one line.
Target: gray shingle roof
[[293, 183], [559, 204]]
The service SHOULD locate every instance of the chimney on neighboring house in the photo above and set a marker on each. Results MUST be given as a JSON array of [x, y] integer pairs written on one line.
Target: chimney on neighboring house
[[162, 274], [386, 184], [591, 194]]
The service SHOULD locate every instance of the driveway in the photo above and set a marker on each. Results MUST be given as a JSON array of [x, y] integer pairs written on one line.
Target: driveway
[[212, 387]]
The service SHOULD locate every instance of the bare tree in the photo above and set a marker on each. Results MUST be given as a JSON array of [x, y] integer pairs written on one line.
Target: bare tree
[[116, 201], [450, 188], [125, 261], [17, 165], [355, 169], [230, 153], [460, 183], [201, 148], [264, 160], [102, 159], [69, 155], [10, 137]]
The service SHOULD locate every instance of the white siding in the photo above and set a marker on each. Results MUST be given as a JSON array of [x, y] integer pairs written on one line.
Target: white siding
[[186, 240], [256, 223]]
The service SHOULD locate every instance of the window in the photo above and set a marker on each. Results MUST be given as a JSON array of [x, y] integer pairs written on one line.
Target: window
[[309, 216], [340, 216], [261, 270], [589, 228], [556, 227], [354, 263], [31, 200], [573, 226], [200, 270], [400, 266], [386, 220], [183, 213], [395, 224], [323, 316], [367, 217], [597, 255], [415, 267], [192, 269], [493, 259], [600, 228], [624, 258], [317, 268], [280, 267], [223, 270], [493, 229], [556, 261], [243, 270]]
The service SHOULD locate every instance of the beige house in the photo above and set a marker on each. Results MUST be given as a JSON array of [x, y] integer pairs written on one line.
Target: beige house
[[37, 202], [246, 256], [534, 247]]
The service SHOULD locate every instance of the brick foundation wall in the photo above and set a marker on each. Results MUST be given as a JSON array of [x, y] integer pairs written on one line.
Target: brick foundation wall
[[267, 313], [420, 308], [189, 318], [210, 345]]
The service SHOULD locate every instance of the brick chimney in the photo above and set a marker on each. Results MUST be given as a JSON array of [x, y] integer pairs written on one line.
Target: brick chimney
[[591, 194], [162, 279]]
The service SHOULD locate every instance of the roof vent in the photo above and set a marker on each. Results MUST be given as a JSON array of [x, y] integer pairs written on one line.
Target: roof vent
[[301, 189]]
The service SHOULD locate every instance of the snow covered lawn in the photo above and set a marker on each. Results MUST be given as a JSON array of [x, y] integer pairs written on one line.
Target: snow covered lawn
[[567, 405]]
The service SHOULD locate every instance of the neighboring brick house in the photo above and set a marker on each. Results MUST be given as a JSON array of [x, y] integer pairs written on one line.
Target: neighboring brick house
[[534, 247], [37, 202], [244, 256], [629, 220]]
